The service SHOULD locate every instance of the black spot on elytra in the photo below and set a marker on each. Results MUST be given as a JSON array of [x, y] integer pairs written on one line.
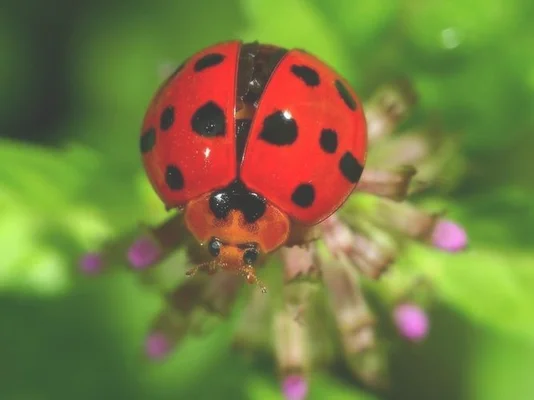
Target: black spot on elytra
[[166, 118], [279, 129], [209, 120], [345, 95], [209, 60], [328, 140], [350, 167], [148, 140], [308, 75], [304, 195], [174, 178]]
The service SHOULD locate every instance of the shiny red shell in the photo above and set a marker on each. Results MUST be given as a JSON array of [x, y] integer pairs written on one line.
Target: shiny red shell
[[305, 146]]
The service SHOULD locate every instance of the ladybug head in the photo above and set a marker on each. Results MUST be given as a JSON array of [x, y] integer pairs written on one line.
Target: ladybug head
[[240, 258], [246, 254], [234, 243]]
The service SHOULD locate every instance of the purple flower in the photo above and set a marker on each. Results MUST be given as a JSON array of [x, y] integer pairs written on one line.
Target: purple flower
[[449, 236], [295, 387], [157, 346], [411, 321], [143, 253], [91, 263]]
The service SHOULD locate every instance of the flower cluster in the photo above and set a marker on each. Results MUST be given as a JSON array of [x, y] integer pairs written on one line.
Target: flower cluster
[[315, 296]]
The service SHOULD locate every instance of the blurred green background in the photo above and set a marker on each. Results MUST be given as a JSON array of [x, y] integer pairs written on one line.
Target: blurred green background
[[75, 79]]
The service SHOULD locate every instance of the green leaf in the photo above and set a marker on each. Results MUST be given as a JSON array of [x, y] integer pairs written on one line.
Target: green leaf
[[299, 25], [501, 216], [459, 22], [361, 23], [41, 178], [42, 216], [325, 386], [320, 387], [501, 368], [17, 61], [490, 285]]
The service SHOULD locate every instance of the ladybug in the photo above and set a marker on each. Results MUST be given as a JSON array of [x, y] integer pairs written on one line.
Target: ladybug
[[256, 144]]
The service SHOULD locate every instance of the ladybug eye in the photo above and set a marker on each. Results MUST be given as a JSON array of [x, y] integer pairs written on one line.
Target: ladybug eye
[[214, 247], [250, 256]]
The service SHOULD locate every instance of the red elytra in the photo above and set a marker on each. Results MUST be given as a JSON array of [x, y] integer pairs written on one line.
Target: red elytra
[[253, 140], [276, 171], [206, 163]]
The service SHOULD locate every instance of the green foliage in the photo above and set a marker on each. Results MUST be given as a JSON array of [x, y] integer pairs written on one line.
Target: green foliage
[[489, 285], [43, 215], [472, 64]]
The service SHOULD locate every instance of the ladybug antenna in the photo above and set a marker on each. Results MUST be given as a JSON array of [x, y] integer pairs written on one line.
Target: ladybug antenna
[[221, 265], [210, 267], [250, 275]]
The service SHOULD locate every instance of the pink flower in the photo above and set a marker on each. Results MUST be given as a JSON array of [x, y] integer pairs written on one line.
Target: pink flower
[[449, 236], [295, 387], [157, 346], [91, 263], [411, 321], [143, 252]]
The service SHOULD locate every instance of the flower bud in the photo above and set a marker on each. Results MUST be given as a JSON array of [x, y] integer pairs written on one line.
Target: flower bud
[[143, 253], [449, 236], [411, 321], [294, 387], [91, 263]]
